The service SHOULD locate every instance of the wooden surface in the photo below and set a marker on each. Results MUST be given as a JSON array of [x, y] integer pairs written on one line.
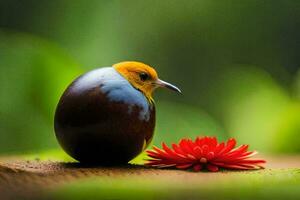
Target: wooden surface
[[21, 178]]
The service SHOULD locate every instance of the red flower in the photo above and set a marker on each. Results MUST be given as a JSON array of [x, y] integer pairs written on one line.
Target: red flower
[[204, 152]]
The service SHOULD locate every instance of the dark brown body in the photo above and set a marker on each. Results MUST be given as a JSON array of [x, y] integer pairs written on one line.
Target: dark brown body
[[102, 122]]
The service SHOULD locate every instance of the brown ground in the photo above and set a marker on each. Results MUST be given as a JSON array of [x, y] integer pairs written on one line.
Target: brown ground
[[27, 178]]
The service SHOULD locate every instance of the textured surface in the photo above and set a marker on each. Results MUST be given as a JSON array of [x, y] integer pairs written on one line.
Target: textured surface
[[20, 178]]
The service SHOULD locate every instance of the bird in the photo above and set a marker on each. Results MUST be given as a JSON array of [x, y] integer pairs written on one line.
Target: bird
[[107, 115]]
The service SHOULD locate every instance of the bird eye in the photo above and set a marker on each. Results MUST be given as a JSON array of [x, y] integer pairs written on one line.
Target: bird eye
[[144, 76]]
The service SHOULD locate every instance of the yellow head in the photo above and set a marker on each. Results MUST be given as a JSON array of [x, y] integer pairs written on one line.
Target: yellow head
[[142, 77]]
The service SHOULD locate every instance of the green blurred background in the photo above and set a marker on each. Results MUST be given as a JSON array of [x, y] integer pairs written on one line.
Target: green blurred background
[[237, 63]]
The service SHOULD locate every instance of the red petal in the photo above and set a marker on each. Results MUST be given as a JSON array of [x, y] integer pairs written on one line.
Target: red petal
[[183, 166], [198, 152], [161, 152], [212, 168], [177, 149], [229, 146], [219, 148], [210, 155], [183, 144], [205, 149], [197, 167]]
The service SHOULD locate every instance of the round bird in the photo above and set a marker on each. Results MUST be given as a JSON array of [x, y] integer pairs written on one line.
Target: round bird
[[107, 116]]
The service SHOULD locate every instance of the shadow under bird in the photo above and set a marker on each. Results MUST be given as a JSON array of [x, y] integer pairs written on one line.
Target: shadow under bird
[[107, 116]]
